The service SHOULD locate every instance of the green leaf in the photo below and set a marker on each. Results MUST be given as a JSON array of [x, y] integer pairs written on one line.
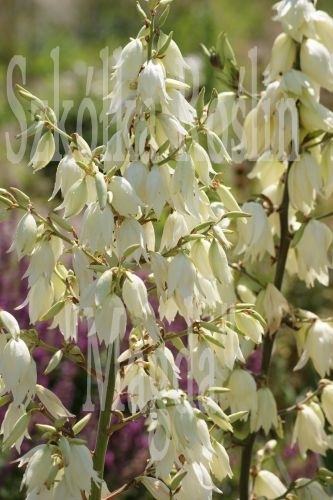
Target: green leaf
[[218, 390], [5, 399], [54, 310], [131, 249], [140, 10], [60, 222], [163, 16], [54, 361], [234, 417], [298, 236], [18, 430], [101, 189], [20, 196], [236, 215], [200, 103], [165, 45], [177, 479], [211, 327], [212, 340], [77, 428], [30, 97]]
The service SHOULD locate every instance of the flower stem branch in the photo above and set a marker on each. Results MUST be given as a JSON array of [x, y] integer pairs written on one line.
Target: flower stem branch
[[268, 340], [103, 435]]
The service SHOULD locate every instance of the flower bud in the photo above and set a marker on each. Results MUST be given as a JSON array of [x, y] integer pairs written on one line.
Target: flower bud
[[324, 28], [249, 326], [317, 63], [282, 58], [327, 402]]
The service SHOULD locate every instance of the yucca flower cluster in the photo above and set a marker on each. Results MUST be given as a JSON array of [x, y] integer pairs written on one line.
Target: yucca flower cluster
[[147, 232]]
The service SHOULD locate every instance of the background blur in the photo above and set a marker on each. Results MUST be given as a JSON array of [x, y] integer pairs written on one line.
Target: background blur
[[81, 29]]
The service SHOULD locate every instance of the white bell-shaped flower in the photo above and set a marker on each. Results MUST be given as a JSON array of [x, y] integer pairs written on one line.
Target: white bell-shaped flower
[[318, 347], [255, 237], [295, 16], [309, 430], [313, 265], [243, 392], [266, 415], [125, 201], [135, 297], [268, 485], [25, 236]]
